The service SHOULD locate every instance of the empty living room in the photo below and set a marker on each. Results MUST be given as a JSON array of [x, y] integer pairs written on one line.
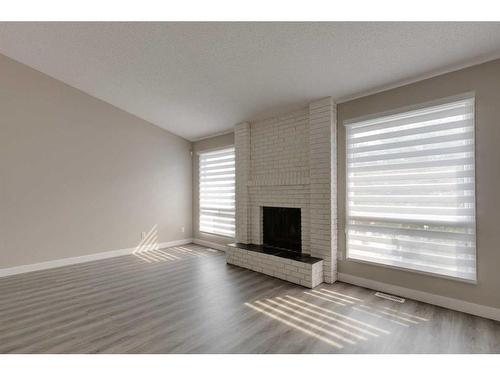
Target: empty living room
[[232, 186]]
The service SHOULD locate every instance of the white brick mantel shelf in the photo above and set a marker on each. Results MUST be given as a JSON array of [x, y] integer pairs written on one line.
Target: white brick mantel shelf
[[280, 179], [289, 161]]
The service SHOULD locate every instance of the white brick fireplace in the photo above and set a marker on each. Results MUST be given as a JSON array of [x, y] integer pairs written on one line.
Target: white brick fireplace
[[289, 161]]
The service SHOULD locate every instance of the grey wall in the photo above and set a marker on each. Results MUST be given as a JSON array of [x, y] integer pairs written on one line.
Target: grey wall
[[484, 80], [204, 145], [79, 176]]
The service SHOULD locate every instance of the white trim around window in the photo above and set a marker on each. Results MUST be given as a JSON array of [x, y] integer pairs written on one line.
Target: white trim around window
[[410, 189], [217, 191]]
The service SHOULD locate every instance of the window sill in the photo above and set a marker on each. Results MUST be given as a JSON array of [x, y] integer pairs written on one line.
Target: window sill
[[217, 235], [425, 273]]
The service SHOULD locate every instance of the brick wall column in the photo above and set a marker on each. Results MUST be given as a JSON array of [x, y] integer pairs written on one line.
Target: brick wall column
[[242, 155], [323, 183]]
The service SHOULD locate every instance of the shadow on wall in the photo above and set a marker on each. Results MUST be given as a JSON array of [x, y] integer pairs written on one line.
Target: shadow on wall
[[353, 322], [148, 250]]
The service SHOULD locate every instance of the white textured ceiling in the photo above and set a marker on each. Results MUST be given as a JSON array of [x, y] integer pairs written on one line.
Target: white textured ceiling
[[198, 79]]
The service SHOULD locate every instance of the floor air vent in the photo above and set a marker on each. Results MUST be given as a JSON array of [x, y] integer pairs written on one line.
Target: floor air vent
[[389, 297]]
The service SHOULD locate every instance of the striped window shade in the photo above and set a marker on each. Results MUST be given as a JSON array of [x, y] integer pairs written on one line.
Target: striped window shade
[[411, 190], [217, 184]]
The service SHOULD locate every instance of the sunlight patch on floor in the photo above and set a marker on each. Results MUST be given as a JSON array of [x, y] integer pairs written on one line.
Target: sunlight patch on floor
[[148, 250], [335, 318]]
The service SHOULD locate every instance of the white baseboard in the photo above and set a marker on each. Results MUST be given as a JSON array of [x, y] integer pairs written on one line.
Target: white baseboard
[[210, 244], [434, 299], [82, 259]]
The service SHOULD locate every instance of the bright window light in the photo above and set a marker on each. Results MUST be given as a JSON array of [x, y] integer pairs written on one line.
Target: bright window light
[[217, 182], [410, 194]]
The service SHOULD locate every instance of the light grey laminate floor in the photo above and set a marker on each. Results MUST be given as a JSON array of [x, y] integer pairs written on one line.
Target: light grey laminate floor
[[187, 300]]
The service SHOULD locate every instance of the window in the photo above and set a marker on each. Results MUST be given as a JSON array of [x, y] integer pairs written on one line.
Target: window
[[217, 192], [410, 196]]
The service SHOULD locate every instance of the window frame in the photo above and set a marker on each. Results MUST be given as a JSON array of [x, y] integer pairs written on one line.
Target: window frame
[[198, 154], [396, 111]]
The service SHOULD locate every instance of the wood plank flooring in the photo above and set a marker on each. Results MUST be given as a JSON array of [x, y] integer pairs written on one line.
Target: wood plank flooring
[[187, 300]]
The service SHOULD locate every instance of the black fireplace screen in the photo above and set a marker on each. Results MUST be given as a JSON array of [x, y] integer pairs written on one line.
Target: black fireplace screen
[[282, 228]]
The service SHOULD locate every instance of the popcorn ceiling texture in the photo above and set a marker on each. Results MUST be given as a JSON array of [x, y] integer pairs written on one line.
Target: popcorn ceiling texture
[[197, 79], [287, 162]]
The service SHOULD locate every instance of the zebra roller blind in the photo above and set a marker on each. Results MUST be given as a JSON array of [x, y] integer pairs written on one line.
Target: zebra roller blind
[[217, 183], [411, 190]]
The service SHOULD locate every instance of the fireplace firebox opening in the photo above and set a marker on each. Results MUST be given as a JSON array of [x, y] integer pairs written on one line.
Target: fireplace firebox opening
[[282, 228]]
